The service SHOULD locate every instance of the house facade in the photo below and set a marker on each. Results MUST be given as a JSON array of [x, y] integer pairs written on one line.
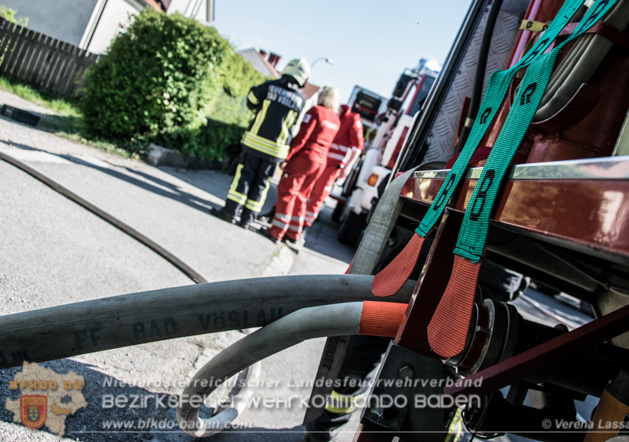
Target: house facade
[[93, 24]]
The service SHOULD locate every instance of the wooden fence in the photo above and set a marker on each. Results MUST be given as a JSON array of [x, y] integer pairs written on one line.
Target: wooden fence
[[42, 61]]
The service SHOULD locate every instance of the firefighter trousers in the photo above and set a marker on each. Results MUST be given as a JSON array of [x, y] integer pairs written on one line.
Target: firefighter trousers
[[293, 190], [249, 187], [320, 192]]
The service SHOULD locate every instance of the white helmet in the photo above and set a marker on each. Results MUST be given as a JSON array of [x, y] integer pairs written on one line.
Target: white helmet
[[299, 69]]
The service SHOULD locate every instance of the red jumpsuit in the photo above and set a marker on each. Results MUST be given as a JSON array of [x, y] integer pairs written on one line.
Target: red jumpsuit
[[304, 164], [349, 136]]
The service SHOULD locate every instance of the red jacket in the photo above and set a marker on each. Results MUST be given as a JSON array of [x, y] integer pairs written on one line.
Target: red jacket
[[350, 136], [318, 129]]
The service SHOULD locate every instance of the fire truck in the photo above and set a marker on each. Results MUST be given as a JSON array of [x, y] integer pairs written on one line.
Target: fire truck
[[367, 104], [385, 135], [532, 102], [559, 215]]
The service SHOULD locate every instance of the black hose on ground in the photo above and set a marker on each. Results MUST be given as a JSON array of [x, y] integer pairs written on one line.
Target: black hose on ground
[[119, 321], [185, 268]]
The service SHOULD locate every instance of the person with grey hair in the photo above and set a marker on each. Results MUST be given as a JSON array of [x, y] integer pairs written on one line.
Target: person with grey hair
[[304, 164]]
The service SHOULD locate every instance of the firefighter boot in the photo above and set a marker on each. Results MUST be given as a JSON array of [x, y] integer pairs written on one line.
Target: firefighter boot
[[267, 217], [223, 215], [267, 234], [246, 218]]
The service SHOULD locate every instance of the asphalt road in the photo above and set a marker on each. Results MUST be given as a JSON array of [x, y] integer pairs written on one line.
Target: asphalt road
[[54, 252]]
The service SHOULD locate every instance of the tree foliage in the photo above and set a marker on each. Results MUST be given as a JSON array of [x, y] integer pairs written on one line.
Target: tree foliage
[[11, 16], [227, 113], [162, 80]]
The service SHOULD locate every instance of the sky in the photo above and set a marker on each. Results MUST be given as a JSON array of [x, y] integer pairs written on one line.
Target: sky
[[370, 41]]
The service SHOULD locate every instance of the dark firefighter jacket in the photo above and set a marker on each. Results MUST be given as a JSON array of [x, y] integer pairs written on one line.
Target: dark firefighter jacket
[[278, 104]]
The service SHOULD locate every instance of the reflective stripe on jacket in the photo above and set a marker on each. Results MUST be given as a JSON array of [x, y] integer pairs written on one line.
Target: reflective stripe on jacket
[[349, 136], [278, 104]]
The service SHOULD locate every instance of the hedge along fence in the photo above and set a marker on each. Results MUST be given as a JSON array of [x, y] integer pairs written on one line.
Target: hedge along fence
[[42, 61], [167, 80]]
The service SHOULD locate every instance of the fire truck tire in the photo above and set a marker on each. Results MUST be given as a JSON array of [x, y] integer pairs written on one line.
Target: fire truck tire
[[352, 227]]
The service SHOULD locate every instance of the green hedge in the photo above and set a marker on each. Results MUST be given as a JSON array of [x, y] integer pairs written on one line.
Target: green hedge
[[227, 113], [166, 79]]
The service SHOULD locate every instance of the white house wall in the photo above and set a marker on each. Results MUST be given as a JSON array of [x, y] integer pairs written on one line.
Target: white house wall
[[202, 12], [197, 9], [116, 15], [65, 20]]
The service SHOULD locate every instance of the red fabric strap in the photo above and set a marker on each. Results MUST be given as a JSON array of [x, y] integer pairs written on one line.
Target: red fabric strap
[[449, 326], [391, 279]]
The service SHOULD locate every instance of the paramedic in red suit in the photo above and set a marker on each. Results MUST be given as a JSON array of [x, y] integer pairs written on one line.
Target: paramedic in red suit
[[305, 163], [345, 149]]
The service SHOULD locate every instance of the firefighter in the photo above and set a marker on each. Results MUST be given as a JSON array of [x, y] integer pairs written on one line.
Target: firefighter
[[278, 104], [304, 164], [344, 150]]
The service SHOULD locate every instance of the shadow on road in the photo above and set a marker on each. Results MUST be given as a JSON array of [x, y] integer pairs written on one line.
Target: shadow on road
[[144, 181], [90, 423], [321, 237]]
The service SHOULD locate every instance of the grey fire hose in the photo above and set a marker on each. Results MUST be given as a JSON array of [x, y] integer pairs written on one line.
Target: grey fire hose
[[165, 314], [308, 323], [235, 402], [579, 64], [102, 324]]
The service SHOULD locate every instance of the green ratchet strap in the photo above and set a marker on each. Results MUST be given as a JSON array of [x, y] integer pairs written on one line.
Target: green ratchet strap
[[389, 280], [449, 326], [496, 90], [473, 233]]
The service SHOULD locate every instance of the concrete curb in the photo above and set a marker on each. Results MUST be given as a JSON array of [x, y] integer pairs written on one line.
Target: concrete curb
[[162, 156], [281, 262]]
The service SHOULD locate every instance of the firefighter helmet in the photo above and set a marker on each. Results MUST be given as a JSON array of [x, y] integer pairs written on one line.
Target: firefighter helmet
[[299, 69]]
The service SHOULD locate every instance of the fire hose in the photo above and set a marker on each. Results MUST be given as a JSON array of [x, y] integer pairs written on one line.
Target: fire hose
[[368, 318], [164, 314], [581, 63], [133, 319], [338, 320], [139, 318], [167, 255], [118, 321]]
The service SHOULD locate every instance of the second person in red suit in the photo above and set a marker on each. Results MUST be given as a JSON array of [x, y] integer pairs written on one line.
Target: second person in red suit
[[345, 149], [305, 163]]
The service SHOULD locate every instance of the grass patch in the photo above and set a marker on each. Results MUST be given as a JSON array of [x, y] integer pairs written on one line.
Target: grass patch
[[68, 123], [64, 107]]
